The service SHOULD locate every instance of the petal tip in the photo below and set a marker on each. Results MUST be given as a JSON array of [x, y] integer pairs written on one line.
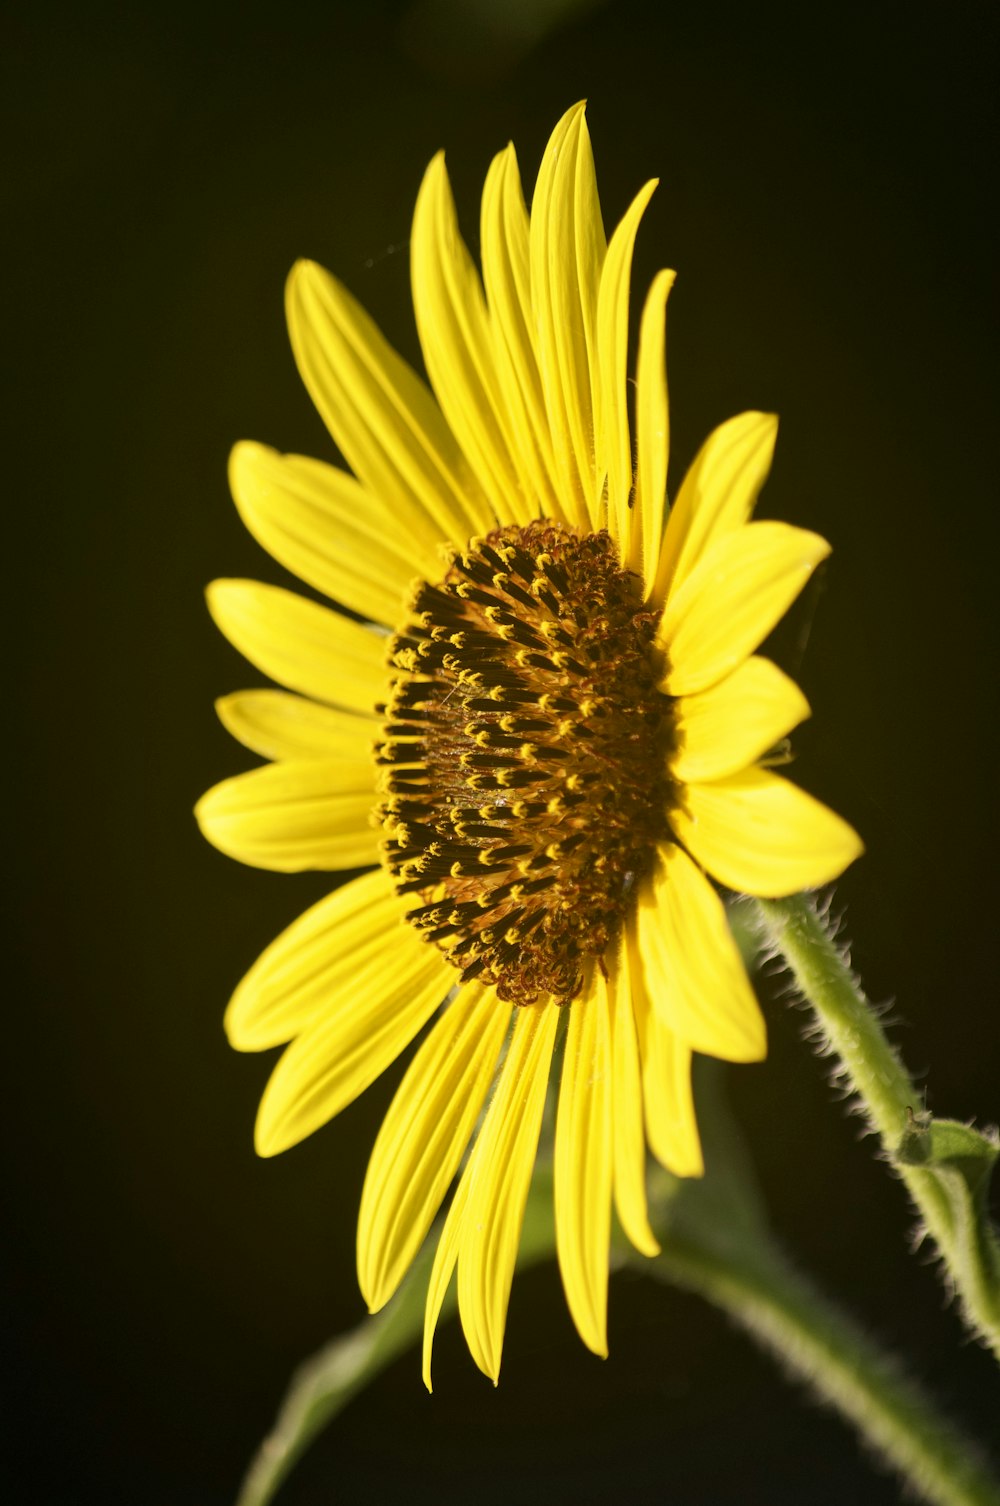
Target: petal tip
[[246, 458], [266, 1143]]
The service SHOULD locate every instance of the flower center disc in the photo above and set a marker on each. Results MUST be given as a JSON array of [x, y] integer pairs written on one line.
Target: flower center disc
[[524, 757]]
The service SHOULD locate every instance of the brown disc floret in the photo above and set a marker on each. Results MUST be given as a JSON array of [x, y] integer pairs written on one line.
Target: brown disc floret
[[524, 757]]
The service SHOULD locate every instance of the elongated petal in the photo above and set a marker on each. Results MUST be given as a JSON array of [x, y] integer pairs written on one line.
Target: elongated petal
[[507, 279], [300, 644], [722, 730], [652, 422], [291, 985], [567, 248], [313, 813], [326, 528], [614, 443], [367, 1024], [692, 970], [445, 1258], [744, 584], [666, 1080], [278, 725], [757, 833], [458, 351], [717, 495], [500, 1174], [627, 1120], [584, 1156], [381, 415], [423, 1138]]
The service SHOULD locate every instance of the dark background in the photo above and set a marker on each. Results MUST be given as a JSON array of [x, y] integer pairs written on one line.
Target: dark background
[[827, 198]]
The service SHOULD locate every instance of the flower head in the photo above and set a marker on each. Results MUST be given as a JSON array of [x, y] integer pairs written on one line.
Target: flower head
[[558, 746]]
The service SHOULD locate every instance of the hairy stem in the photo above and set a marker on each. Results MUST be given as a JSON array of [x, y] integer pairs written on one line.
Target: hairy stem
[[952, 1216]]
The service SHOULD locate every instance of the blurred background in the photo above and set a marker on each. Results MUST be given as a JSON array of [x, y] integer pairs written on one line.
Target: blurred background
[[826, 199]]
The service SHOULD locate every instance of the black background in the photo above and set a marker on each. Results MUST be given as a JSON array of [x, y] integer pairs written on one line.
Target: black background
[[827, 198]]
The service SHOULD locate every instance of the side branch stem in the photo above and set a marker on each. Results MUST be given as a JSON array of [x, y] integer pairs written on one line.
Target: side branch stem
[[795, 929]]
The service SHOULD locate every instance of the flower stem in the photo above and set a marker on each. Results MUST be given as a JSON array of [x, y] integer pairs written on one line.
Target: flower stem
[[819, 1345], [948, 1185]]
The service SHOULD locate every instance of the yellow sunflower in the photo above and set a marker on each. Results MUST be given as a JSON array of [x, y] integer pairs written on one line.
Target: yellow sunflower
[[544, 740]]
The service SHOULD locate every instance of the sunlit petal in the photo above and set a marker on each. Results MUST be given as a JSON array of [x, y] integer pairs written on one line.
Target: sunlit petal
[[499, 1176], [614, 443], [278, 725], [367, 1023], [694, 975], [313, 813], [584, 1160], [385, 422], [756, 832], [717, 495], [627, 1005], [652, 421], [301, 644], [722, 730], [290, 986], [326, 528], [423, 1137], [742, 586], [455, 336], [567, 249]]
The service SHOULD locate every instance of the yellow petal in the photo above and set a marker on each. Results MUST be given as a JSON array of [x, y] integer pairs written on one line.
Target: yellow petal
[[722, 730], [652, 422], [312, 813], [614, 443], [757, 833], [717, 495], [278, 725], [567, 249], [368, 1022], [301, 644], [743, 585], [500, 1173], [321, 524], [629, 1140], [583, 1164], [506, 276], [423, 1137], [442, 1270], [691, 967], [666, 1082], [455, 338], [385, 422], [290, 986]]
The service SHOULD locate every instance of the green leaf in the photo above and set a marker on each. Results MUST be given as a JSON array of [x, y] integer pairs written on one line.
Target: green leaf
[[325, 1384], [961, 1160], [950, 1146]]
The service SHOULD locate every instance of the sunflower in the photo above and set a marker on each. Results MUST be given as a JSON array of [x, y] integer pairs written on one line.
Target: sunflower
[[542, 731]]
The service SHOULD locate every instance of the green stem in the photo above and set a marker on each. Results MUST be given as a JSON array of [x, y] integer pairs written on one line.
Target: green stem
[[966, 1244], [820, 1346]]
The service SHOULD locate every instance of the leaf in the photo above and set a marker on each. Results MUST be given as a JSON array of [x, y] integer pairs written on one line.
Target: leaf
[[325, 1384], [961, 1160]]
